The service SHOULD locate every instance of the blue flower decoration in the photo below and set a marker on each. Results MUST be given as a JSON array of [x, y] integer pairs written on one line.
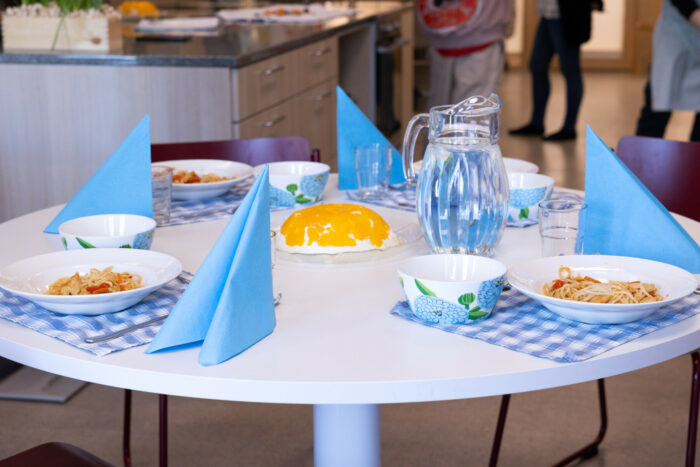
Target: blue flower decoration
[[436, 310], [143, 240], [488, 293], [523, 197], [312, 185], [281, 198]]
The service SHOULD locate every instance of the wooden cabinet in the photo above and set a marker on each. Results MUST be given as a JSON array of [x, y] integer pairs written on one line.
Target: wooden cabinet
[[318, 125], [274, 122]]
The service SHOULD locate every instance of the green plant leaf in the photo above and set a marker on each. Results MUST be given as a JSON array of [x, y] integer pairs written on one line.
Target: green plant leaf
[[524, 213], [125, 246], [476, 313], [292, 188], [302, 199], [423, 289], [65, 243], [401, 280], [83, 243], [466, 299]]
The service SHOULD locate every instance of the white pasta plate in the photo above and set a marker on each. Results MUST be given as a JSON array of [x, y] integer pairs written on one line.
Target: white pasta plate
[[673, 284], [237, 171], [30, 278]]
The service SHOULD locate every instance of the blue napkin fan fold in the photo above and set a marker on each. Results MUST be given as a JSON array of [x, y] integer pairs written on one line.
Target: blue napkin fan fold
[[121, 186], [354, 129], [228, 304], [625, 219]]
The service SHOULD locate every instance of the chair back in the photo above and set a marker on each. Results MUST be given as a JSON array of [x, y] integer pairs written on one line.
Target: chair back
[[253, 151], [669, 169]]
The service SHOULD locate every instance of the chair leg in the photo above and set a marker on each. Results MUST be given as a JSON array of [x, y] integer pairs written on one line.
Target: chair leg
[[496, 446], [591, 450], [126, 432], [693, 416], [163, 430]]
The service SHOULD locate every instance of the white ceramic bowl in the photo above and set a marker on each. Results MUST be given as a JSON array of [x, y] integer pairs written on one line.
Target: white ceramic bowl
[[672, 282], [452, 289], [518, 165], [108, 231], [294, 183], [31, 277], [237, 171], [526, 192]]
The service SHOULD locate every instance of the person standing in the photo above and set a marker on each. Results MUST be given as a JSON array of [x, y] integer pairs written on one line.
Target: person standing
[[564, 25], [674, 83], [467, 53]]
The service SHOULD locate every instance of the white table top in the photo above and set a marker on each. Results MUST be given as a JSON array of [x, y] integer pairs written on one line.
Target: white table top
[[335, 341]]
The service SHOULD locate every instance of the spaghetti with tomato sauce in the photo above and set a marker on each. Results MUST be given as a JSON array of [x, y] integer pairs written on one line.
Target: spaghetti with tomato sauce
[[95, 282]]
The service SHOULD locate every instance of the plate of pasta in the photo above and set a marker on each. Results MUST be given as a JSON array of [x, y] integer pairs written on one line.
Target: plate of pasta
[[205, 178], [92, 281], [600, 289]]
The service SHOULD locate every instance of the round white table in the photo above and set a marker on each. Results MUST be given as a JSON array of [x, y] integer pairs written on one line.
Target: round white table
[[335, 345]]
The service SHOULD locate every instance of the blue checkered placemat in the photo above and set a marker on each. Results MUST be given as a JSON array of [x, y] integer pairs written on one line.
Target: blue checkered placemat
[[396, 198], [520, 323], [74, 329]]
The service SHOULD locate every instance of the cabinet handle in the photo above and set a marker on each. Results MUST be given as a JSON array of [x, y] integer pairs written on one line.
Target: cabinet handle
[[321, 97], [272, 70], [273, 122], [321, 52]]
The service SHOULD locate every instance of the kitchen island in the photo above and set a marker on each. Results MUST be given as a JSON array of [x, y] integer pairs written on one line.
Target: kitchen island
[[65, 113]]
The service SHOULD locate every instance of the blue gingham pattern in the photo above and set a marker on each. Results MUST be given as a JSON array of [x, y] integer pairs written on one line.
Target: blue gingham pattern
[[74, 329], [396, 198], [520, 323]]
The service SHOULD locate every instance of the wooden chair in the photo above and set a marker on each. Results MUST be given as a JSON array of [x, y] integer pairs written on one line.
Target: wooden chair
[[250, 151], [54, 455], [669, 169]]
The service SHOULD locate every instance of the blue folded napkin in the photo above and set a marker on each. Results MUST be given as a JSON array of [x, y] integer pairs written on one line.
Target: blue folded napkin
[[354, 129], [121, 186], [228, 304], [625, 219]]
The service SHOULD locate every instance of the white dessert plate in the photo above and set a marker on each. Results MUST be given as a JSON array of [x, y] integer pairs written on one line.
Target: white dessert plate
[[30, 278], [237, 171], [673, 284]]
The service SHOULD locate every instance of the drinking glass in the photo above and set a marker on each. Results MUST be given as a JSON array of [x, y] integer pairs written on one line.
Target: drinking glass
[[561, 226], [373, 164], [162, 184]]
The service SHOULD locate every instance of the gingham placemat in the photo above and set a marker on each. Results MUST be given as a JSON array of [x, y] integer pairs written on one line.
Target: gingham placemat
[[522, 324], [74, 329], [396, 198]]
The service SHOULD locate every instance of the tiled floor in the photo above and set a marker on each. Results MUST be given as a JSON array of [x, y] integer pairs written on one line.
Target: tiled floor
[[648, 408]]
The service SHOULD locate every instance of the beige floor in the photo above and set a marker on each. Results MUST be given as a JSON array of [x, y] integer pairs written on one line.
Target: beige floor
[[648, 408]]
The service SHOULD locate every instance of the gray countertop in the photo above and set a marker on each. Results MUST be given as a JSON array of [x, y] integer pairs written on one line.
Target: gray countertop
[[231, 46]]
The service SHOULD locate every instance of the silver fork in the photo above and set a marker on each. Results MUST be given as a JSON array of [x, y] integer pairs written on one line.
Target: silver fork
[[114, 335]]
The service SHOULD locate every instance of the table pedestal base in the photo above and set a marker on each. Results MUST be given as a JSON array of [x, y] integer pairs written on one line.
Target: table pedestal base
[[346, 435]]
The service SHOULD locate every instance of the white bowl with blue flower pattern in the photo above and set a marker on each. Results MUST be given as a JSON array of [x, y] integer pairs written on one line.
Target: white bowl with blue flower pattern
[[452, 288], [108, 231], [526, 192], [294, 183]]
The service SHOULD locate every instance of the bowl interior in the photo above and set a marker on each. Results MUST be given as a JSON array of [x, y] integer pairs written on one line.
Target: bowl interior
[[520, 180], [517, 165], [107, 225], [452, 268], [295, 168]]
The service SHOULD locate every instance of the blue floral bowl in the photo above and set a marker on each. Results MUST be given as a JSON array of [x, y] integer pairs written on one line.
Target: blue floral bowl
[[294, 183], [108, 231], [527, 190], [452, 289]]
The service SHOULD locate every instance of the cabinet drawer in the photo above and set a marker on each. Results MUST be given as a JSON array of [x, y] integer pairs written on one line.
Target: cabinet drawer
[[318, 125], [277, 121], [261, 85], [317, 62]]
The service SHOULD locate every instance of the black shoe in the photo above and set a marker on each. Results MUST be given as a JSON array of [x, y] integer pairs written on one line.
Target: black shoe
[[528, 130], [561, 135]]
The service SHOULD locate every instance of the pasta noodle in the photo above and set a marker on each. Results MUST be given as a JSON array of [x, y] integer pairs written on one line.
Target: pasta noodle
[[188, 176], [95, 282], [587, 289]]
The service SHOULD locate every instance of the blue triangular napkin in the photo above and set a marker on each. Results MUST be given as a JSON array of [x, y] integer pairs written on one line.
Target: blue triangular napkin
[[625, 219], [121, 186], [354, 128], [228, 303]]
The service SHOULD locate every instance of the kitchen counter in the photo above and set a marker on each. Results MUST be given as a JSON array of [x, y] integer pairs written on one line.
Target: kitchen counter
[[232, 46]]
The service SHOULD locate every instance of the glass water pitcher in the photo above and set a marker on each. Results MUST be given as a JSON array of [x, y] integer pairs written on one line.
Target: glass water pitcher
[[462, 193]]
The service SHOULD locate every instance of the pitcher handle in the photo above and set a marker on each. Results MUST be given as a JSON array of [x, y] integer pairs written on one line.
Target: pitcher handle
[[417, 123]]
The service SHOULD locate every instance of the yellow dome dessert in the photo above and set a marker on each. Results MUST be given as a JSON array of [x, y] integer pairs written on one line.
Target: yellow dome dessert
[[142, 8], [335, 228]]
